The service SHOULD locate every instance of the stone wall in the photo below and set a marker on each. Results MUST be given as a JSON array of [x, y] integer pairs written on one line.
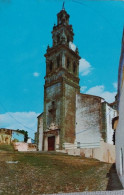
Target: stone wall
[[52, 95], [70, 112], [104, 153]]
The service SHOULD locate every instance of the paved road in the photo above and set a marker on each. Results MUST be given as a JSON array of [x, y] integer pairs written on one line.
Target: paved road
[[119, 192]]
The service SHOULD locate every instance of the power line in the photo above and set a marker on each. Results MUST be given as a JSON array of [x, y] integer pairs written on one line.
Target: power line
[[16, 119], [96, 12]]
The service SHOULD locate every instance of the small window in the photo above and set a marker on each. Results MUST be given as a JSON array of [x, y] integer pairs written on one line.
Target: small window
[[58, 38], [68, 39], [78, 144], [68, 63], [58, 61], [51, 66], [74, 67]]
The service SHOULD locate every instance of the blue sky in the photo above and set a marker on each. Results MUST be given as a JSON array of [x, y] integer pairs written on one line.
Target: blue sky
[[25, 32]]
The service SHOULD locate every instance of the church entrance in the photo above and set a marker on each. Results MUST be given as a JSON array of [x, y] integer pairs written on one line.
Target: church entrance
[[51, 143]]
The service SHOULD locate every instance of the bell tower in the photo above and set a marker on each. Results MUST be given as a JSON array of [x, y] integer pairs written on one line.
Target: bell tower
[[61, 85]]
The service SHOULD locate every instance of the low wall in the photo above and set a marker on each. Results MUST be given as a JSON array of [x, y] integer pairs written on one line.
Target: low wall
[[105, 153], [22, 146]]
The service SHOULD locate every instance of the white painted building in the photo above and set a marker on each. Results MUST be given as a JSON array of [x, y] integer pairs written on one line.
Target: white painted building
[[110, 114], [120, 139], [93, 121]]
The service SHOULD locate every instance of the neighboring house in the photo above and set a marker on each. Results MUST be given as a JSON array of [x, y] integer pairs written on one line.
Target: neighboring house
[[9, 135], [70, 119], [30, 140], [108, 113], [5, 136], [120, 126]]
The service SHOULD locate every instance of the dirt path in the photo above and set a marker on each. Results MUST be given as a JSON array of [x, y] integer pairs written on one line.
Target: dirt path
[[114, 182]]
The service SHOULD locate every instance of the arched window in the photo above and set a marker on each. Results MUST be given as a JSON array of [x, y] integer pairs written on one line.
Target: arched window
[[58, 38], [68, 63], [58, 61], [68, 39], [74, 67], [51, 66]]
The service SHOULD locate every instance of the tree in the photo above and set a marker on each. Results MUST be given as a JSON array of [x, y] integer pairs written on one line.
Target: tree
[[25, 134]]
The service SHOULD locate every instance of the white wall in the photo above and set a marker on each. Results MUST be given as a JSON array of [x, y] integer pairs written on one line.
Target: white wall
[[88, 121], [120, 139], [40, 133], [110, 114]]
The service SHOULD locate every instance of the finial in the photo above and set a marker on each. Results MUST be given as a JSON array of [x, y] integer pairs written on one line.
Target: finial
[[48, 47], [63, 6]]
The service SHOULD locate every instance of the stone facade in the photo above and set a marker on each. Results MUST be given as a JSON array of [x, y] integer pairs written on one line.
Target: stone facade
[[61, 85]]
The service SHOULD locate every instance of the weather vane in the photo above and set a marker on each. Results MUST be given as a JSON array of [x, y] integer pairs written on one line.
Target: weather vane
[[63, 6]]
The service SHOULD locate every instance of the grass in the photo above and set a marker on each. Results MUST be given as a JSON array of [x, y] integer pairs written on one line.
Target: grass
[[8, 148], [40, 173]]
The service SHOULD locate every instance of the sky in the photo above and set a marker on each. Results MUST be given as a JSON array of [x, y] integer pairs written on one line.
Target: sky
[[25, 32]]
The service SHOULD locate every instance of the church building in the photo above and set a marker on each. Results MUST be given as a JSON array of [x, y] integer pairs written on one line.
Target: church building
[[70, 119]]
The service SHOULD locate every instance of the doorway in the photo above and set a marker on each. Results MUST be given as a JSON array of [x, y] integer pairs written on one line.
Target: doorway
[[51, 143]]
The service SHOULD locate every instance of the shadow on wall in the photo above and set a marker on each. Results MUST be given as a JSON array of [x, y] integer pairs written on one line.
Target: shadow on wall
[[113, 182]]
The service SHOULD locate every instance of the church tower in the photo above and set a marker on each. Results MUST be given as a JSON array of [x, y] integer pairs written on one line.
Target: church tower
[[61, 86]]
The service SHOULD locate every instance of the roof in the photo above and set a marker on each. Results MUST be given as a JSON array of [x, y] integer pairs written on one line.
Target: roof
[[40, 115], [92, 96]]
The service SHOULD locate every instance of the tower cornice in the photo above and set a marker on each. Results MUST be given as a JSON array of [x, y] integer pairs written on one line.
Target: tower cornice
[[60, 80], [66, 73], [56, 48]]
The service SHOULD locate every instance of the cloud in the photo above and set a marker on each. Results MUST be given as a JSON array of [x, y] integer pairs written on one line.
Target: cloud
[[20, 120], [36, 74], [115, 85], [84, 67], [83, 88], [99, 90], [72, 46]]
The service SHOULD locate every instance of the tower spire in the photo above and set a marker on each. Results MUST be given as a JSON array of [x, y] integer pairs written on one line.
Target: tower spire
[[63, 6]]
